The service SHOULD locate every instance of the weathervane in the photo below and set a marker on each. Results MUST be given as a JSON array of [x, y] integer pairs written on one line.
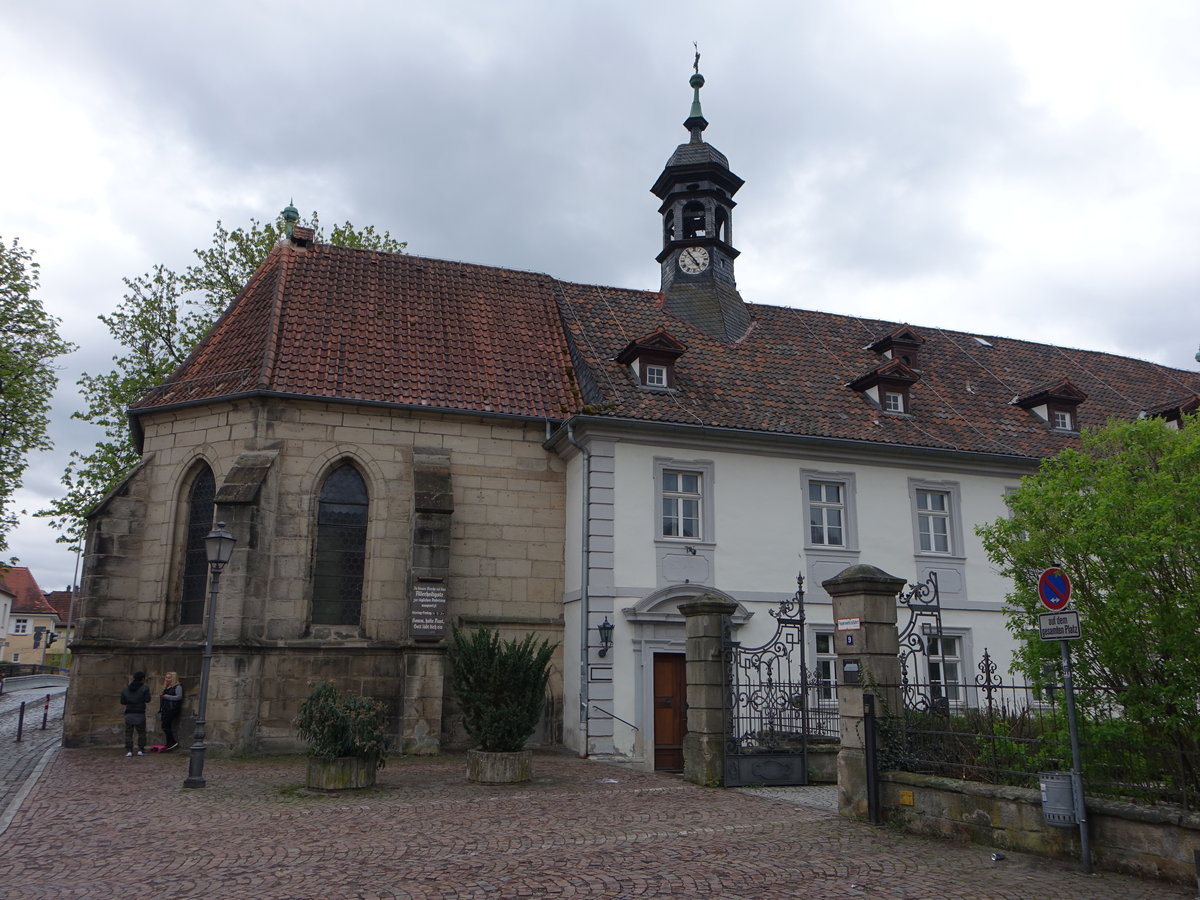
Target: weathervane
[[696, 64]]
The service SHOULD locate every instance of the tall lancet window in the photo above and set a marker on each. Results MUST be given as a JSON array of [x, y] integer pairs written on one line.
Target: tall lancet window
[[341, 549], [195, 560]]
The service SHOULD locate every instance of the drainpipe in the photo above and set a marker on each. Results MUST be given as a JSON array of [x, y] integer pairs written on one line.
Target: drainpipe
[[585, 506]]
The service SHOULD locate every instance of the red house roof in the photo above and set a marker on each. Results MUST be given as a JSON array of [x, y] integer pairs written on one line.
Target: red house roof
[[361, 326], [27, 596]]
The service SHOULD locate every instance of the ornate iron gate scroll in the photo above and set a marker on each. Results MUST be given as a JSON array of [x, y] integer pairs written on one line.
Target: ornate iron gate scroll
[[771, 703], [924, 606]]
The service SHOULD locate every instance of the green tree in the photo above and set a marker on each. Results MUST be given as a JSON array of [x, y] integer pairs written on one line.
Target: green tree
[[29, 346], [1122, 516], [161, 317]]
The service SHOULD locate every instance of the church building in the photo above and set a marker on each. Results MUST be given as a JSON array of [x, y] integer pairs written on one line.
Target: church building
[[402, 445]]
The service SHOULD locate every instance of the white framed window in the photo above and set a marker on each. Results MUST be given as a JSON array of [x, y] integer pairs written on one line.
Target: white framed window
[[1062, 420], [825, 667], [682, 499], [826, 513], [829, 499], [893, 401], [21, 626], [16, 657], [945, 659], [937, 518], [656, 376], [933, 521], [683, 494]]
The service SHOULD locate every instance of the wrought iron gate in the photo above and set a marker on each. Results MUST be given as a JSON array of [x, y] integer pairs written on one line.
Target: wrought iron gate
[[774, 705], [924, 606]]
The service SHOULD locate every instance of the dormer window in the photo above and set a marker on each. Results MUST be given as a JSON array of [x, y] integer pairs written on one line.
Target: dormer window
[[888, 386], [902, 345], [1174, 411], [1062, 420], [652, 359], [1055, 404]]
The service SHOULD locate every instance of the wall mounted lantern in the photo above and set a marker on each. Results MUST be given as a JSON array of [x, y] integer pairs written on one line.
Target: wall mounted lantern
[[605, 630]]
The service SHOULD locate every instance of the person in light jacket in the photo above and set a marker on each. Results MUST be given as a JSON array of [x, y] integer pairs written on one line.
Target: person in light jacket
[[134, 697], [170, 702]]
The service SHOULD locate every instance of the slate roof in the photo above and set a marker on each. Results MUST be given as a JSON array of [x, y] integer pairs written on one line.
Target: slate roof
[[27, 596], [330, 322]]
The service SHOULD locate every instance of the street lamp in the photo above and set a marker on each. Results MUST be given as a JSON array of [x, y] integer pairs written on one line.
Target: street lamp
[[218, 547]]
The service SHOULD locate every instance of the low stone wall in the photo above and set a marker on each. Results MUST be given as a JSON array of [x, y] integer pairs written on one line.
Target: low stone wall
[[1157, 842]]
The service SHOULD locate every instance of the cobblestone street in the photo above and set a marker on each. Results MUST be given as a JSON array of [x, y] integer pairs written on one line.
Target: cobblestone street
[[99, 825]]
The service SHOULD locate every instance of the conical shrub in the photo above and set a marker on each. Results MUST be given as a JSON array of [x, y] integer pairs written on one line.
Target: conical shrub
[[501, 686]]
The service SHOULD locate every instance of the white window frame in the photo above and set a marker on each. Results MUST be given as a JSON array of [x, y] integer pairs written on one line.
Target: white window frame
[[1065, 423], [892, 401], [962, 685], [952, 516], [825, 666], [655, 376], [845, 480], [21, 626], [16, 657], [704, 470]]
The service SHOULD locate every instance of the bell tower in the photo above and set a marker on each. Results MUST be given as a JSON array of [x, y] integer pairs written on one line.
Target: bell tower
[[696, 189]]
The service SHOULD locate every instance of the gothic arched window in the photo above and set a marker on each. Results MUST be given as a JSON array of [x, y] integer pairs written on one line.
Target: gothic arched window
[[195, 560], [341, 548]]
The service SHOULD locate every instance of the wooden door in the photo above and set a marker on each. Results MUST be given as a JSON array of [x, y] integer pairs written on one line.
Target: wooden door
[[670, 710]]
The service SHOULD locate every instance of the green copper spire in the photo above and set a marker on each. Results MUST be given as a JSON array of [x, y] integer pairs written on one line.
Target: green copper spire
[[291, 216], [695, 122]]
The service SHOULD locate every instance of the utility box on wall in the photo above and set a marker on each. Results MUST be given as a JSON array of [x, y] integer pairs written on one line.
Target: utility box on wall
[[1058, 799]]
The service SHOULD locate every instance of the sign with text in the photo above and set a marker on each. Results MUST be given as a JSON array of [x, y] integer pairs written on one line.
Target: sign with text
[[852, 623], [429, 610], [1059, 626]]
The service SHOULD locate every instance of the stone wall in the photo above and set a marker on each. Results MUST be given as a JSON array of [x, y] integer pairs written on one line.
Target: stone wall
[[1157, 842], [505, 527]]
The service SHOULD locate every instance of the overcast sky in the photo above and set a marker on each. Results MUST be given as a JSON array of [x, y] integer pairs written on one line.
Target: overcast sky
[[1024, 169]]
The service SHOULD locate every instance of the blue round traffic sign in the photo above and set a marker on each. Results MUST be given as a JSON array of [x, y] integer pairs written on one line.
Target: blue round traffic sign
[[1054, 589]]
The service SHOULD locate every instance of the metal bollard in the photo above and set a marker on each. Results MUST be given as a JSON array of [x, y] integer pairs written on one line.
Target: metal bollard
[[45, 712], [20, 720]]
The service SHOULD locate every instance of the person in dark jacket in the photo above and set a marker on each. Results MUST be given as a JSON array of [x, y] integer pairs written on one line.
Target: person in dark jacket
[[134, 697], [170, 701]]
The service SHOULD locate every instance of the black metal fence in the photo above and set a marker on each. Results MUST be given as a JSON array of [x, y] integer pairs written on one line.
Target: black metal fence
[[1007, 733]]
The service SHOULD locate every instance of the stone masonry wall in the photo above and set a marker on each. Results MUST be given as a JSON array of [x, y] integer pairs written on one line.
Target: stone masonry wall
[[505, 567]]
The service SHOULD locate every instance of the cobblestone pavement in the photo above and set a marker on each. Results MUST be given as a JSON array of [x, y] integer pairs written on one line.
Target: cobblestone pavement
[[99, 825], [21, 762]]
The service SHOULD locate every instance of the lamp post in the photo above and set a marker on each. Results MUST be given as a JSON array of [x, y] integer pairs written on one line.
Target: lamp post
[[218, 547]]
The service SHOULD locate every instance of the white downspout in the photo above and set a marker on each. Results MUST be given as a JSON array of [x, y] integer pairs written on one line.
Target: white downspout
[[585, 566]]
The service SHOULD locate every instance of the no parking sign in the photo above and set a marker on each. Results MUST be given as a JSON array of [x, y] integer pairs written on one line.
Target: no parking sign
[[1054, 589]]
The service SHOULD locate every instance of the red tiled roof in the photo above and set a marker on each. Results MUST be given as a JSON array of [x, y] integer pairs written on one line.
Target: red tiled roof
[[61, 603], [27, 596], [332, 322], [789, 375]]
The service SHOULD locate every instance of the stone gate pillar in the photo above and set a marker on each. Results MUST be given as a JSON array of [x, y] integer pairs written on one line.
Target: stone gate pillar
[[704, 743], [864, 615]]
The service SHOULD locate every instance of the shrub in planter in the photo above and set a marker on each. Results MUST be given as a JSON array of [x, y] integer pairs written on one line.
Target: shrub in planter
[[501, 686], [340, 726]]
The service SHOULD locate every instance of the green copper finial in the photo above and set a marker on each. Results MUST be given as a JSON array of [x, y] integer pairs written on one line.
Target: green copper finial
[[696, 123], [291, 216]]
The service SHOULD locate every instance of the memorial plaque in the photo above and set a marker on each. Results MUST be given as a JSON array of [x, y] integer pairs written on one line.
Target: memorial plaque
[[429, 610]]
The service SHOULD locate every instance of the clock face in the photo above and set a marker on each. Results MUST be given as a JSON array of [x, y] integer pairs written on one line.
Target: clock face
[[693, 260]]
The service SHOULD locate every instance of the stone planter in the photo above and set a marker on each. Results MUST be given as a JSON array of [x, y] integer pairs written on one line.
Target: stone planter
[[341, 774], [499, 768]]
